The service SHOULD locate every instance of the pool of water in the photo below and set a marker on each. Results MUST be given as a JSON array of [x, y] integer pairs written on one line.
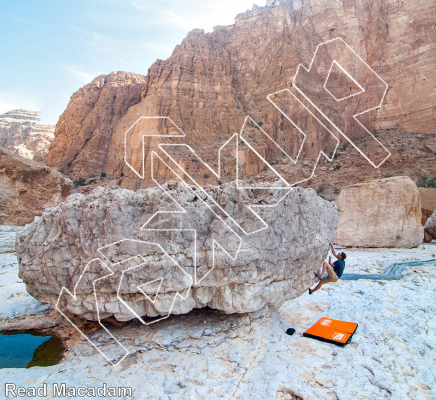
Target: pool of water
[[26, 350]]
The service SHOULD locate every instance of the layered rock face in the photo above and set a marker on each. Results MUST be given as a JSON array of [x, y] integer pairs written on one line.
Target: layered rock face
[[200, 257], [381, 213], [21, 134], [212, 81], [84, 131], [27, 188]]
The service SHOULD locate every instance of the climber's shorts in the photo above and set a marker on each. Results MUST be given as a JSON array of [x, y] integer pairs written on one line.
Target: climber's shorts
[[332, 277]]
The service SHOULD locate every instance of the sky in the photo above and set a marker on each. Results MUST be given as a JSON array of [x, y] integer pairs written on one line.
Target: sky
[[51, 48]]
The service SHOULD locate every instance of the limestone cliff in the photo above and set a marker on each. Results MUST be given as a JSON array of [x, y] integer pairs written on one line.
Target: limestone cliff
[[21, 133], [84, 131], [212, 81]]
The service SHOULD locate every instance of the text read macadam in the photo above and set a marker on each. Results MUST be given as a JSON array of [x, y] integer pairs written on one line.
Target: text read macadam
[[62, 390]]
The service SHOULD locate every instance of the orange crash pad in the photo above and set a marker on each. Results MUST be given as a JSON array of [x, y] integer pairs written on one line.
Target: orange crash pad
[[332, 331]]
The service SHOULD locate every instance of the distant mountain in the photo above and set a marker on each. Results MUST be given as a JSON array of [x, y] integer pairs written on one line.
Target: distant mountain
[[21, 133]]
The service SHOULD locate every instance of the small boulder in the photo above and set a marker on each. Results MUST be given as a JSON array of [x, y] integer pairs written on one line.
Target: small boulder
[[427, 237], [380, 213], [430, 227]]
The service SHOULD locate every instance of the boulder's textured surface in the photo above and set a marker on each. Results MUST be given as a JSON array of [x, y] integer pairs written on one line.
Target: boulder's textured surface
[[272, 266], [428, 203], [84, 131], [21, 134], [27, 188], [430, 226], [213, 80], [381, 213]]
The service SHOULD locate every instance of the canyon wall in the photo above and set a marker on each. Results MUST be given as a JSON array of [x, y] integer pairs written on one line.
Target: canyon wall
[[213, 80], [84, 131]]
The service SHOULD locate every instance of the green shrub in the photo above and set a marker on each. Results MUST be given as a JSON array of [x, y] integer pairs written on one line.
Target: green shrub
[[102, 175], [426, 181], [432, 183], [79, 182]]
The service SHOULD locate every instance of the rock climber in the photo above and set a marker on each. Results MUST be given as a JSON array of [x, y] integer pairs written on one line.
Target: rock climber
[[334, 270]]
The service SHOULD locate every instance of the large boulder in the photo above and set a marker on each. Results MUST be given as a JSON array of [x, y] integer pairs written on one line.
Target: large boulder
[[273, 265], [27, 188], [380, 213], [428, 203], [430, 228]]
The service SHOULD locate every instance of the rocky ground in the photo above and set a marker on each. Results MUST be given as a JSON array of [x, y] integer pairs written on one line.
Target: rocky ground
[[208, 355], [412, 155], [27, 188]]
